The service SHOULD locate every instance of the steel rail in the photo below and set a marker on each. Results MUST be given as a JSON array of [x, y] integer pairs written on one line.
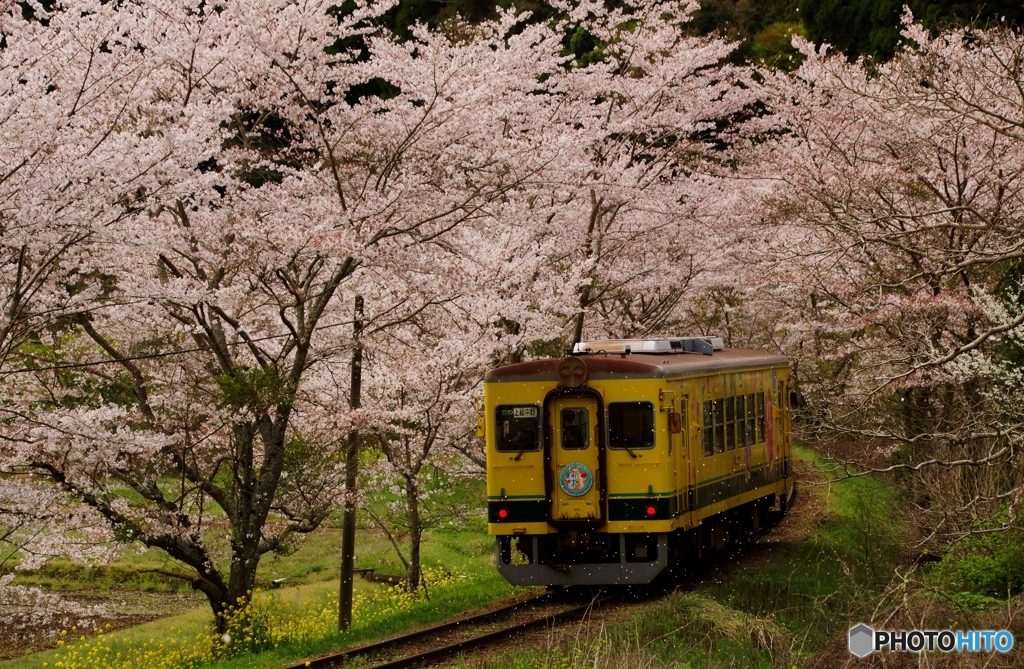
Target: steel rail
[[328, 659], [484, 639]]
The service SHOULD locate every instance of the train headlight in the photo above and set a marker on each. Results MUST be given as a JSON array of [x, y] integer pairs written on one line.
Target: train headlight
[[572, 373]]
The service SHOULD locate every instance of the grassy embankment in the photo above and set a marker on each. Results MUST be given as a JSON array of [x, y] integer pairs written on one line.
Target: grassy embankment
[[840, 558]]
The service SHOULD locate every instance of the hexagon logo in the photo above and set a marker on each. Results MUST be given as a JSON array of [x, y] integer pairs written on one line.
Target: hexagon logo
[[862, 640]]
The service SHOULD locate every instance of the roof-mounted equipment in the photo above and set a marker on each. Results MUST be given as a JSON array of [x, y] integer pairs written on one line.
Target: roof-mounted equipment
[[705, 345]]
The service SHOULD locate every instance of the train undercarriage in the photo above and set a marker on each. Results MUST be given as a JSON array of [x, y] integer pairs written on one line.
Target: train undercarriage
[[591, 557]]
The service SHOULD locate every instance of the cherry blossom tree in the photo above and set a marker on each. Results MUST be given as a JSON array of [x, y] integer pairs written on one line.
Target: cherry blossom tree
[[215, 331], [894, 224], [424, 385], [638, 216], [53, 192], [73, 157], [36, 525], [238, 177]]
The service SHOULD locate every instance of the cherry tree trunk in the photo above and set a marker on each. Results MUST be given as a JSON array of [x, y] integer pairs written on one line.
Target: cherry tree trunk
[[412, 511]]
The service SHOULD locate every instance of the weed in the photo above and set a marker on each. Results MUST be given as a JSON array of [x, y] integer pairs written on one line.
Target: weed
[[987, 565], [266, 623]]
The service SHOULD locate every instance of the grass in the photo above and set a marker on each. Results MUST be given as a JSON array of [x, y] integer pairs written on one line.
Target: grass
[[280, 628], [133, 588], [466, 556], [799, 588], [796, 591], [316, 559], [813, 587]]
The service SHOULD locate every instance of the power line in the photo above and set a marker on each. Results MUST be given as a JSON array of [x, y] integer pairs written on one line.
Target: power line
[[164, 354]]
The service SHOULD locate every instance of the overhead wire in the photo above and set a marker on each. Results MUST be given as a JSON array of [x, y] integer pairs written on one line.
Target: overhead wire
[[161, 354]]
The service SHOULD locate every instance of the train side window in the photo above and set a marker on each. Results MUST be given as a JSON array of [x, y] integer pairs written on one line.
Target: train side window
[[730, 423], [749, 432], [709, 429], [631, 425], [741, 421], [517, 428], [719, 410], [575, 432], [760, 417]]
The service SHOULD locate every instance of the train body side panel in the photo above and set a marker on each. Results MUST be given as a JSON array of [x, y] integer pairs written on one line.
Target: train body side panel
[[737, 472]]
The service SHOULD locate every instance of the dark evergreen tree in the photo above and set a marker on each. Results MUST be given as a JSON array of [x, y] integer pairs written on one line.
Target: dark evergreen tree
[[872, 27]]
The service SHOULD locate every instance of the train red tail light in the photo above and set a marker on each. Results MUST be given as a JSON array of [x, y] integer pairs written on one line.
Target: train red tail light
[[651, 511], [503, 513]]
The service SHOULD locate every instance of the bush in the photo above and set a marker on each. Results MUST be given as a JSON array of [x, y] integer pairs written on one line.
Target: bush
[[986, 564]]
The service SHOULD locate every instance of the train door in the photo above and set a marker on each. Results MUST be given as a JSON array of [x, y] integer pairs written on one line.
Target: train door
[[575, 463], [684, 462], [695, 449]]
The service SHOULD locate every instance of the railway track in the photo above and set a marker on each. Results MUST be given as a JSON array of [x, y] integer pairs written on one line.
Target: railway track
[[425, 646], [453, 637]]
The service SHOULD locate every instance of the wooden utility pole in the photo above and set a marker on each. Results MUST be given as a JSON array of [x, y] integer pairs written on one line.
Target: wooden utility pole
[[348, 523]]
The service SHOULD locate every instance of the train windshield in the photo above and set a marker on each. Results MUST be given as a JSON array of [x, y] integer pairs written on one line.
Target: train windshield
[[631, 425], [518, 428], [575, 435]]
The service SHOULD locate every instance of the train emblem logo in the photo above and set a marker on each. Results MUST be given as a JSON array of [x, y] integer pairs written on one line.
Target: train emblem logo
[[576, 479]]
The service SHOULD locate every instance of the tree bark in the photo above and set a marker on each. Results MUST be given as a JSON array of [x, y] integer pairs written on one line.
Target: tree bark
[[412, 509]]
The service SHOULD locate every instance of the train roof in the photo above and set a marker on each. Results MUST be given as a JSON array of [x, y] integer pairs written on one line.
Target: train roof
[[638, 364]]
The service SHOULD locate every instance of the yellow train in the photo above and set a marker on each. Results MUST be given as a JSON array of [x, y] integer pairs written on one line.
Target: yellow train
[[630, 456]]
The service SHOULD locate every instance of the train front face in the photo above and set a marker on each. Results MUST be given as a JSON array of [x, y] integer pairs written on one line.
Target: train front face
[[577, 466]]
